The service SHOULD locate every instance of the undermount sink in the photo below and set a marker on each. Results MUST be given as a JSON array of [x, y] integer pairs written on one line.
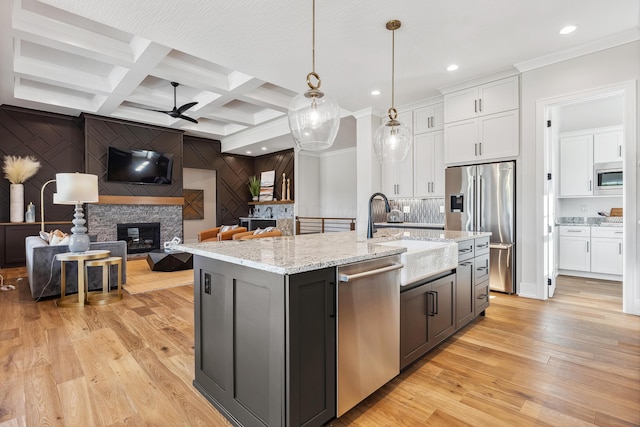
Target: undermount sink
[[424, 258]]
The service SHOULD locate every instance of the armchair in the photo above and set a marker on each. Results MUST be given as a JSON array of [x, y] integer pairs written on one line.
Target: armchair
[[217, 233]]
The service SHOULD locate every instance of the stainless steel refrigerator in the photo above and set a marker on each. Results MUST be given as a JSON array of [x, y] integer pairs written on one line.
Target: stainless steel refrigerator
[[482, 198]]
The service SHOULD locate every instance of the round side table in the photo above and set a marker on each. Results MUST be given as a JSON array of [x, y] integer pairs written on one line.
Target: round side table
[[80, 258], [105, 296]]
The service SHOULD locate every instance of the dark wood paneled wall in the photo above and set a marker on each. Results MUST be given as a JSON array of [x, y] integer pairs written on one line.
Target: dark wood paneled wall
[[101, 133], [233, 172], [280, 162], [56, 141], [232, 176], [59, 142]]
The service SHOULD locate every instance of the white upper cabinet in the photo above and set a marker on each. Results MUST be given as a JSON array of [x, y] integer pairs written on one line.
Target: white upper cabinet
[[428, 119], [608, 146], [489, 98], [428, 165], [397, 179], [576, 165], [482, 139], [482, 123]]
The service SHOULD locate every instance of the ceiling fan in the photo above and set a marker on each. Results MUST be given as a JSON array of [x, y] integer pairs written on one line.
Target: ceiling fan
[[176, 113]]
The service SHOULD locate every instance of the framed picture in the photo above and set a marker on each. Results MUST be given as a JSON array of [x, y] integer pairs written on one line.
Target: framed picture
[[267, 183]]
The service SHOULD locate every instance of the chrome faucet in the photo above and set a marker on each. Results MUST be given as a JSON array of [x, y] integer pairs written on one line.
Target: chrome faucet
[[371, 228]]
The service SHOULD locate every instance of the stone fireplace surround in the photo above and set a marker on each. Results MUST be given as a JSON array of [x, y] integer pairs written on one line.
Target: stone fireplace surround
[[102, 219]]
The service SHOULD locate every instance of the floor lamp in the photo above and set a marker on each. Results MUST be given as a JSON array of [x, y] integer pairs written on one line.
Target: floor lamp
[[42, 203], [77, 189]]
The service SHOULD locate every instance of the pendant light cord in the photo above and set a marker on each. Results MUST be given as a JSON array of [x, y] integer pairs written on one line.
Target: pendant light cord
[[313, 37], [393, 68]]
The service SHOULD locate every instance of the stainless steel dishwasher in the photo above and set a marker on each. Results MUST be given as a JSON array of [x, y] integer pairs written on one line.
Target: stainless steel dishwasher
[[368, 328]]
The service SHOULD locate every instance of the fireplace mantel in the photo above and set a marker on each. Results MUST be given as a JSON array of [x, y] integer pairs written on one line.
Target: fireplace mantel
[[140, 200]]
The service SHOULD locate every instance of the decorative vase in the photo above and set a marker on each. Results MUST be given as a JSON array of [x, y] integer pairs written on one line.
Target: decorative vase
[[16, 204]]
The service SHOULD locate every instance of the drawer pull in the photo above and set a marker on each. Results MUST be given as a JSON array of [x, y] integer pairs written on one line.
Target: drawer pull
[[482, 246], [482, 296], [465, 250], [574, 231]]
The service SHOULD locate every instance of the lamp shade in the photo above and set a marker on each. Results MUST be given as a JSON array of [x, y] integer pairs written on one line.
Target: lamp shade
[[76, 188], [314, 119], [392, 142]]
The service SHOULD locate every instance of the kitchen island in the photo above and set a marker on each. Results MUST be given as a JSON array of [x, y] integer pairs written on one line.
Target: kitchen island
[[265, 320]]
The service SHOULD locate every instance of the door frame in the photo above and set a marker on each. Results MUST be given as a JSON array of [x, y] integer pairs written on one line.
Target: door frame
[[631, 239]]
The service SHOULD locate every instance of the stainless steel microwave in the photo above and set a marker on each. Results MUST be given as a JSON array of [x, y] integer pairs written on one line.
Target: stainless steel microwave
[[607, 178]]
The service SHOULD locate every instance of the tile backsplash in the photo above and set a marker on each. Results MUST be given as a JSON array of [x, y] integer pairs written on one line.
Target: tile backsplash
[[420, 210]]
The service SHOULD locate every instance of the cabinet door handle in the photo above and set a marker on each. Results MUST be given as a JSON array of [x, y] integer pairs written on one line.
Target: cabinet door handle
[[589, 185], [480, 150], [475, 105], [433, 125], [619, 150], [431, 308], [480, 104], [428, 122], [475, 149], [587, 246], [619, 248]]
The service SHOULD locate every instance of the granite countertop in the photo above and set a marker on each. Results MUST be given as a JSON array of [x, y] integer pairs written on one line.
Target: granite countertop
[[588, 221], [409, 225], [308, 252]]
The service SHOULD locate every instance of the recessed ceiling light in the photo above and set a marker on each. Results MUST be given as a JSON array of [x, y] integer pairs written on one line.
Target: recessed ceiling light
[[452, 67], [248, 152], [375, 92], [264, 148], [568, 29]]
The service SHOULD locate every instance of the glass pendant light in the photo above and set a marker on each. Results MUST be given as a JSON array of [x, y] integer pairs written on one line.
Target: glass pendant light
[[392, 140], [314, 117]]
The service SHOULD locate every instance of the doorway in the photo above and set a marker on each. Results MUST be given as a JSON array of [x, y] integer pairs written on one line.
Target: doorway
[[582, 113]]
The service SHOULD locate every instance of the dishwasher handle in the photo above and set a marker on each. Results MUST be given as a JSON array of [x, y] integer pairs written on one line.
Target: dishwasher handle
[[348, 277]]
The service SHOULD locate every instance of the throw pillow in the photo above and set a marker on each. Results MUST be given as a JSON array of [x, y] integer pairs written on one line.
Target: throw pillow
[[265, 230], [227, 228], [57, 237], [44, 236]]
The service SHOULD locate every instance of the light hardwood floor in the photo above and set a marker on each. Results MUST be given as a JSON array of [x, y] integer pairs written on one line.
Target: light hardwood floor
[[573, 360]]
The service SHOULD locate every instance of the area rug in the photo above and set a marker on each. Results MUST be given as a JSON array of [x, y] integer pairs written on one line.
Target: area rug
[[140, 278]]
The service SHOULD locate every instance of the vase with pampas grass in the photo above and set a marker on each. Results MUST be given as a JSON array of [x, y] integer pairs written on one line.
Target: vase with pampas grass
[[17, 170]]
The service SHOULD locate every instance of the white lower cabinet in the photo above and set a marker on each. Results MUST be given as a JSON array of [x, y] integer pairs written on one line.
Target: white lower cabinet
[[591, 249], [606, 250], [574, 248]]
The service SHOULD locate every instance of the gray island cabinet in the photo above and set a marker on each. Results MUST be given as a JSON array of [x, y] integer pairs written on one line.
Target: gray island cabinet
[[266, 319], [265, 343]]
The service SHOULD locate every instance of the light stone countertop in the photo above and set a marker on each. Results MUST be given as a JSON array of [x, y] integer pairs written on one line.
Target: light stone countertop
[[308, 252], [410, 225]]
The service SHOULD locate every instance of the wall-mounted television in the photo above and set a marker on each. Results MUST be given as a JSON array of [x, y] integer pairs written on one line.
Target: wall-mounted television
[[139, 166]]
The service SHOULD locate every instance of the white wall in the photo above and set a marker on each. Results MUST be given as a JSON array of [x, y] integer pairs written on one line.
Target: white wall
[[326, 184], [591, 114], [614, 66], [338, 184], [587, 206], [200, 179], [307, 184]]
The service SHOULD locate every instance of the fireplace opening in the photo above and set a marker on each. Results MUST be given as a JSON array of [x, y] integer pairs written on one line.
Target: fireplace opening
[[140, 236]]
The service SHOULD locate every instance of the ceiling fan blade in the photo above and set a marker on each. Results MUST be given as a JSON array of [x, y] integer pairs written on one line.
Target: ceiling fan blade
[[185, 107], [188, 118]]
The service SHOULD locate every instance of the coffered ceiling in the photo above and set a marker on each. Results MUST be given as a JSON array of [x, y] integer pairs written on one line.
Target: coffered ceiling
[[243, 61]]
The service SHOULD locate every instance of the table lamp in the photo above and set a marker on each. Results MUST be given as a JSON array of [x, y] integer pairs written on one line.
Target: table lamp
[[76, 189]]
